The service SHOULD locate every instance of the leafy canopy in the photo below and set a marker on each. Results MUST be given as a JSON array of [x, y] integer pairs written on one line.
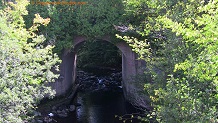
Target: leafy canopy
[[93, 20], [25, 64], [181, 57]]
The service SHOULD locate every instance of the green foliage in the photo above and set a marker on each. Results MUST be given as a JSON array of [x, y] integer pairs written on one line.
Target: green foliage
[[94, 19], [195, 93], [25, 65], [60, 30], [99, 54], [181, 59], [98, 17]]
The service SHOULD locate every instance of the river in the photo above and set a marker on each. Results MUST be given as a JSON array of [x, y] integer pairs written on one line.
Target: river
[[100, 107], [100, 103]]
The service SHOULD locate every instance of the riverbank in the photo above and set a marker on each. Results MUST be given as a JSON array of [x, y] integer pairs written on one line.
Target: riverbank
[[58, 107], [99, 97]]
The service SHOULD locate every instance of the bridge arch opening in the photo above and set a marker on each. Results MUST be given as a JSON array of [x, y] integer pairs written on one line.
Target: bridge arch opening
[[128, 59], [99, 65], [100, 56], [68, 66]]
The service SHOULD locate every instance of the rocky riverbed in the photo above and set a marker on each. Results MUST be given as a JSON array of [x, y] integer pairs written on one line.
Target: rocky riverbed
[[91, 82], [88, 82]]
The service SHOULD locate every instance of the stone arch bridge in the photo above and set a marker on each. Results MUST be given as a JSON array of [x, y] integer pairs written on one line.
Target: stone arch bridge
[[130, 66]]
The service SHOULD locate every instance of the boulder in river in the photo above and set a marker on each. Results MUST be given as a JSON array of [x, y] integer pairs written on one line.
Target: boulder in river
[[47, 119], [62, 114], [37, 114], [72, 108]]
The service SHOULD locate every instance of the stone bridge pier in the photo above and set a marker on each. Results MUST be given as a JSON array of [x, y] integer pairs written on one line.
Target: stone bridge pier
[[130, 67]]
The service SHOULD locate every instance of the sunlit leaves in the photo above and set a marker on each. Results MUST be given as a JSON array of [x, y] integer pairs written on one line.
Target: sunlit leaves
[[25, 67], [39, 19], [140, 47], [199, 69], [189, 51], [94, 19]]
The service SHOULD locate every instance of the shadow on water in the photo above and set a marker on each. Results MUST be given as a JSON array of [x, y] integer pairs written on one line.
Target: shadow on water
[[103, 103], [100, 107]]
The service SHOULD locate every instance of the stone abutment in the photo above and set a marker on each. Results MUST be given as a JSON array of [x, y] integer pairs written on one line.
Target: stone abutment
[[130, 67]]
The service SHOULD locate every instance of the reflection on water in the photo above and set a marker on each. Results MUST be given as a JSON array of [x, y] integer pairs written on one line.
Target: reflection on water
[[99, 104], [100, 107]]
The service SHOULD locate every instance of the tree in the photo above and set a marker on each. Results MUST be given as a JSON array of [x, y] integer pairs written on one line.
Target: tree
[[93, 20], [186, 56], [99, 54], [192, 87], [25, 64]]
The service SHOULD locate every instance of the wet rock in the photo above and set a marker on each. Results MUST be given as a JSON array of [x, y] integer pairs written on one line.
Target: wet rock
[[89, 82], [72, 108], [59, 111], [92, 77], [62, 114], [39, 121], [47, 119], [37, 114], [54, 108]]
